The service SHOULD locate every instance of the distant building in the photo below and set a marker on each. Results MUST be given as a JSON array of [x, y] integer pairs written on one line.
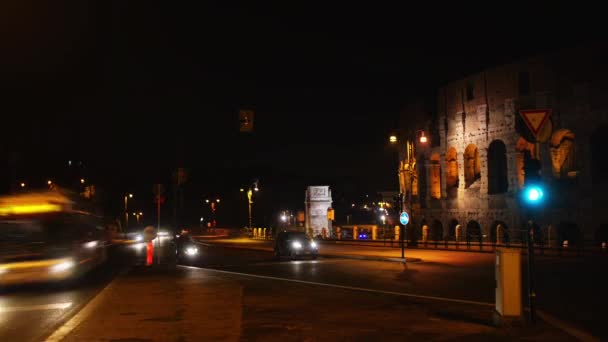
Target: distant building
[[471, 173]]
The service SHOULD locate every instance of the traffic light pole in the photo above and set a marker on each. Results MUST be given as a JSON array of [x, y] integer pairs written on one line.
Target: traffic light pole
[[531, 284]]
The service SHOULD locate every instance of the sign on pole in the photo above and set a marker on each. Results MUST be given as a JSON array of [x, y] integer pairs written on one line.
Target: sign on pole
[[404, 218], [535, 119]]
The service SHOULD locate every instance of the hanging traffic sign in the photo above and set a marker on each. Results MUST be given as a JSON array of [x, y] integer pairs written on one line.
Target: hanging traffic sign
[[404, 218], [535, 119]]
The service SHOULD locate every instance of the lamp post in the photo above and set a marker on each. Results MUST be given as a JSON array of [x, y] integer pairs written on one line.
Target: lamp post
[[127, 196], [409, 167], [250, 192], [138, 215]]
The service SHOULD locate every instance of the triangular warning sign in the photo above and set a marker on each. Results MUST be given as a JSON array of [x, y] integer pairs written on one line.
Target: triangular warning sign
[[535, 119]]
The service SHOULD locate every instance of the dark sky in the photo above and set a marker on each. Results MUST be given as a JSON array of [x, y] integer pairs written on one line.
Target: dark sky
[[136, 88]]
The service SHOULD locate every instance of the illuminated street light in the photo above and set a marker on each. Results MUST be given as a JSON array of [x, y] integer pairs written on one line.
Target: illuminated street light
[[81, 180], [22, 185], [217, 200], [206, 201], [242, 190], [127, 196], [392, 139], [49, 182], [283, 218], [256, 189], [423, 138]]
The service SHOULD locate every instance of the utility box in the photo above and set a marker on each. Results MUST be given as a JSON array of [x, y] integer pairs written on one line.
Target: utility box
[[508, 284]]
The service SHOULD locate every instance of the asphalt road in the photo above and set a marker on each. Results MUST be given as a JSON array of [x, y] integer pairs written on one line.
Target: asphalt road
[[570, 289]]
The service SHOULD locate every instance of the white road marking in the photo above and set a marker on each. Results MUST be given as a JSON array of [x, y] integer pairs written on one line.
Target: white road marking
[[54, 306], [353, 288]]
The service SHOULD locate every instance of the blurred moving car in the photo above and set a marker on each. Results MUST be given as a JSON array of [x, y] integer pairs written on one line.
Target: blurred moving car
[[44, 238], [186, 249], [294, 245]]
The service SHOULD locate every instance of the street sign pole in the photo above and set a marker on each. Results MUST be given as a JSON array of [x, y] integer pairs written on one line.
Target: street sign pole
[[404, 219]]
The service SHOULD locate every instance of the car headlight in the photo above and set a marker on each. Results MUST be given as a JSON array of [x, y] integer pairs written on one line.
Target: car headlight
[[296, 245], [62, 266], [191, 251], [139, 237], [313, 244]]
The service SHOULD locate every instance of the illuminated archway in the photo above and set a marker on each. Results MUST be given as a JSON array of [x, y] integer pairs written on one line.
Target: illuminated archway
[[451, 176], [562, 153], [472, 165], [523, 147], [435, 176]]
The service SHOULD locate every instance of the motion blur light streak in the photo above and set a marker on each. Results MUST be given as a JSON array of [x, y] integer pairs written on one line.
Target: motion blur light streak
[[29, 209]]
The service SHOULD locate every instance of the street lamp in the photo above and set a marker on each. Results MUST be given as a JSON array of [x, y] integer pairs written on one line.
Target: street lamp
[[127, 196], [409, 167], [253, 188], [22, 184], [81, 180]]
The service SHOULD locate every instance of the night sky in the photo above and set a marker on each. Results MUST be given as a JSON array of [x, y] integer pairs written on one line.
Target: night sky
[[135, 89]]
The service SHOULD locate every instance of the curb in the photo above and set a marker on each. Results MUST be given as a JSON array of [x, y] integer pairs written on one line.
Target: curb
[[329, 256]]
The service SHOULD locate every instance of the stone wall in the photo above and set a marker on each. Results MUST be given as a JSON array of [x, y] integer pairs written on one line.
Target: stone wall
[[483, 108]]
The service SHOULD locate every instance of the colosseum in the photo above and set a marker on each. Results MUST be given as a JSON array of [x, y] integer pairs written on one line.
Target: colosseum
[[467, 179]]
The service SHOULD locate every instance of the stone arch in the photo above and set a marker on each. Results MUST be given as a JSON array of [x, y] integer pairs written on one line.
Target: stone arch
[[562, 149], [435, 176], [523, 147], [498, 182], [437, 230], [505, 231], [451, 172], [474, 231], [452, 228], [472, 165], [599, 162]]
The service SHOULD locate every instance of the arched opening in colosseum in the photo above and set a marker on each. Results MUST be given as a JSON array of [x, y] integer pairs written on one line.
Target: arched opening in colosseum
[[451, 176], [472, 165], [498, 182], [435, 175], [562, 149], [437, 230], [453, 232], [599, 162], [523, 148], [474, 231]]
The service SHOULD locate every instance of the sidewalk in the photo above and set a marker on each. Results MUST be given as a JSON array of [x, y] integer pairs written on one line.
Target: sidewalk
[[188, 304]]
